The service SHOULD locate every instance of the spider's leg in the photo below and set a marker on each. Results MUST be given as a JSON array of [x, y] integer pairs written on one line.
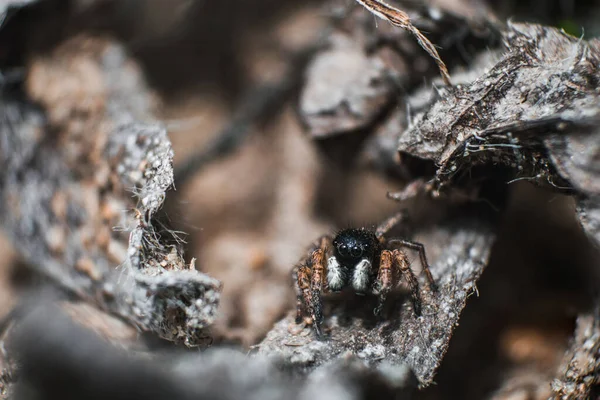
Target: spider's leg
[[384, 279], [411, 190], [421, 249], [316, 288], [401, 262], [308, 277], [301, 276], [389, 223], [323, 243]]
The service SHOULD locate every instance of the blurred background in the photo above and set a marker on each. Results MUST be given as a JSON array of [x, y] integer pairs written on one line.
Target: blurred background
[[255, 186]]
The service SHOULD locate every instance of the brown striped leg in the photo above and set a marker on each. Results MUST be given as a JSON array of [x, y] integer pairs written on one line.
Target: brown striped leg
[[384, 279], [424, 263], [323, 243], [301, 276], [411, 279], [309, 278], [316, 288]]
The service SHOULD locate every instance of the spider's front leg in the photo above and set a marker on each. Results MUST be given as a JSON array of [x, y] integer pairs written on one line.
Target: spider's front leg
[[384, 279], [390, 223], [302, 276], [424, 263], [309, 281], [401, 262], [316, 288], [388, 260]]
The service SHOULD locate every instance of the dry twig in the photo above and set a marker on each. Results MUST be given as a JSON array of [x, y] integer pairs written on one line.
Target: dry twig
[[400, 19]]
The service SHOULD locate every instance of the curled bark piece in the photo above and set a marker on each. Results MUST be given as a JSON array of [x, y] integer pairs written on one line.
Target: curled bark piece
[[335, 101], [69, 168], [546, 83], [368, 67]]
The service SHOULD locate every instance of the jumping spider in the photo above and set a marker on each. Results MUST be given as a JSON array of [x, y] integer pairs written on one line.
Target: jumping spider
[[361, 260]]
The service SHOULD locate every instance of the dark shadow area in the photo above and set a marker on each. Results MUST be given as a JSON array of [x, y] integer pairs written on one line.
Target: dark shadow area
[[540, 277]]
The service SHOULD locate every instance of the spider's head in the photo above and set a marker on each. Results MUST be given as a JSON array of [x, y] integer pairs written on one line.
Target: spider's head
[[352, 245]]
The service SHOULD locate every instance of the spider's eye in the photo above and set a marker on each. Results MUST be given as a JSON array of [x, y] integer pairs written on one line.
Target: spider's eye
[[356, 251], [343, 249]]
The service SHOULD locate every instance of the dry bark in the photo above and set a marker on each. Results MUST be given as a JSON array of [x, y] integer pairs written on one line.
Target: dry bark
[[579, 374], [47, 335], [545, 85], [71, 170], [368, 65], [81, 153]]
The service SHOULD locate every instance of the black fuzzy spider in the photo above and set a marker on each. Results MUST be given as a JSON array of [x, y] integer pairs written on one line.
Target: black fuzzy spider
[[361, 260]]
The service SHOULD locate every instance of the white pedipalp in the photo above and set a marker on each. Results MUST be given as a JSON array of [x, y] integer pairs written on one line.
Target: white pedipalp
[[335, 275], [360, 277]]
